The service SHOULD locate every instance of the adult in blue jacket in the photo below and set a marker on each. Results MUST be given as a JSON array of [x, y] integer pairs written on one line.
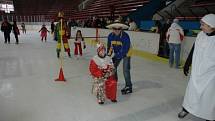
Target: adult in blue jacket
[[119, 44]]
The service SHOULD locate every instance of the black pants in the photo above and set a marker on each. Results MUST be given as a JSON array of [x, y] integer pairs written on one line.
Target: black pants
[[6, 37], [24, 30], [126, 69], [17, 39]]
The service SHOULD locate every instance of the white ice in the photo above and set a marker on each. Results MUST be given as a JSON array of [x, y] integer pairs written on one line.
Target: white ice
[[28, 91]]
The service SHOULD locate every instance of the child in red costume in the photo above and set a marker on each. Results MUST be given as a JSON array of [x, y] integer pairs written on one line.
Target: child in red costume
[[102, 69], [78, 44], [43, 31]]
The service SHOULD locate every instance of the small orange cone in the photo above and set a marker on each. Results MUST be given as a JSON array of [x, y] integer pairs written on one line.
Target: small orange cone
[[61, 76]]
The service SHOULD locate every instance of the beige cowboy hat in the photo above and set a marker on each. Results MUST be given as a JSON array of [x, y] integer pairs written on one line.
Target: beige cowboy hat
[[117, 24]]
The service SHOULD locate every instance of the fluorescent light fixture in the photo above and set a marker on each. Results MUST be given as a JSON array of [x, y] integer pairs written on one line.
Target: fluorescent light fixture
[[7, 8], [133, 9]]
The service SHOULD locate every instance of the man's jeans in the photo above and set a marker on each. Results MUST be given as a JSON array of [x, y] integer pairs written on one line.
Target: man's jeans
[[174, 48], [126, 69]]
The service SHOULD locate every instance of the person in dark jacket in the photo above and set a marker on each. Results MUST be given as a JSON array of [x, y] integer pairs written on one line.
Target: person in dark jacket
[[16, 31], [163, 44], [6, 27], [52, 27], [23, 28]]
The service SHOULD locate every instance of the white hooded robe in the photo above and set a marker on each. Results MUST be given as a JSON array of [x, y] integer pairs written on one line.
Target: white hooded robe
[[199, 99]]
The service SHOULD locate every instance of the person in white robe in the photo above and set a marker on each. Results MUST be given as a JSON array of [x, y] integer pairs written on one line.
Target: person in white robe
[[199, 98]]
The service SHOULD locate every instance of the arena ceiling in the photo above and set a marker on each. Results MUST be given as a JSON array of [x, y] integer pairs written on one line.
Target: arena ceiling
[[28, 7]]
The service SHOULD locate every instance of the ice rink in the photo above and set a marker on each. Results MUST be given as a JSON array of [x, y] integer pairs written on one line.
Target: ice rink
[[28, 91]]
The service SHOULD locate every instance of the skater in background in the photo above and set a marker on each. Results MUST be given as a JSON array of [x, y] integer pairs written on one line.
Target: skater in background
[[6, 27], [78, 44], [163, 44], [52, 27], [65, 35], [23, 28], [132, 25], [174, 36], [16, 32], [43, 34], [101, 68]]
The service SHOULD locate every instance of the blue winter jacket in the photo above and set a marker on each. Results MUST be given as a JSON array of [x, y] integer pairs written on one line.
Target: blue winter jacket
[[119, 44]]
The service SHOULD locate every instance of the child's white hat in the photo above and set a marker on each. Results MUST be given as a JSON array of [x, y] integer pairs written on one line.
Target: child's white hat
[[100, 46], [209, 19]]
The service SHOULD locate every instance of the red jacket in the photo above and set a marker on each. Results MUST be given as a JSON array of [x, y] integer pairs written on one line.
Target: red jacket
[[95, 70]]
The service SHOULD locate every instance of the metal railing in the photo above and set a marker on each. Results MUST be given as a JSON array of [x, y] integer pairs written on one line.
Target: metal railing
[[19, 18]]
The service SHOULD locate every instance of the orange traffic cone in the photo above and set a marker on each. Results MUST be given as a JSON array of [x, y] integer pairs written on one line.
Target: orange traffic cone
[[61, 76]]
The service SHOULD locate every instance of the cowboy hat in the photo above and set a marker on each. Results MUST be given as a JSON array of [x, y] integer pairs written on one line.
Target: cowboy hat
[[117, 24]]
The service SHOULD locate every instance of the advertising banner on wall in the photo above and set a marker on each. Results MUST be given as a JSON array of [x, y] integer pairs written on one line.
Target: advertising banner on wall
[[148, 42]]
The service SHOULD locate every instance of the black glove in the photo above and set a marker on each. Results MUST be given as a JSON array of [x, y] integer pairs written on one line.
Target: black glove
[[186, 70], [84, 46], [188, 61]]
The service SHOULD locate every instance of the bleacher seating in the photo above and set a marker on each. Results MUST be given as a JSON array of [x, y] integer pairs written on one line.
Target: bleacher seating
[[102, 8], [195, 9], [48, 9]]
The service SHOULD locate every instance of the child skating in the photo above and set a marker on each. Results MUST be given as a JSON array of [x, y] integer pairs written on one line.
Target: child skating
[[79, 40], [102, 71], [43, 33]]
